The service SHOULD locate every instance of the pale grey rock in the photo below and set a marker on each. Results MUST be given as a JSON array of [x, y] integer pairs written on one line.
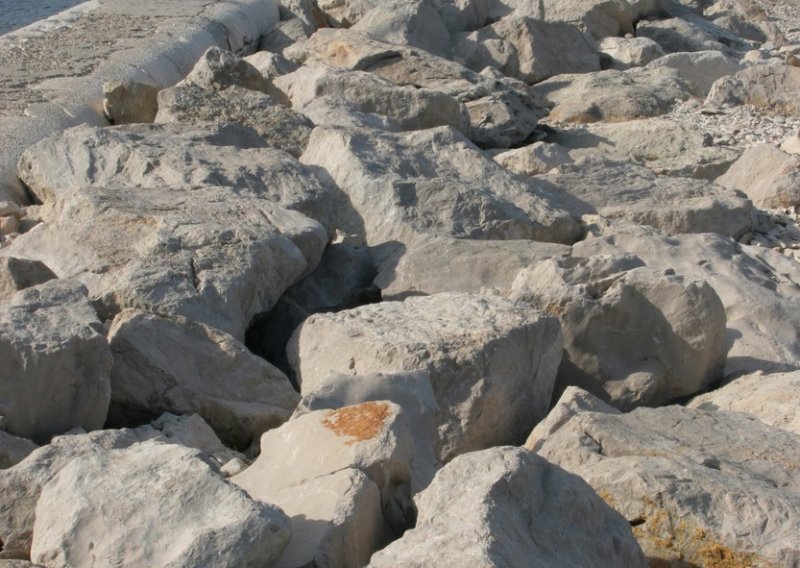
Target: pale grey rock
[[413, 23], [772, 398], [700, 68], [411, 391], [185, 367], [333, 111], [701, 487], [13, 449], [767, 175], [600, 18], [619, 190], [792, 144], [757, 287], [627, 52], [404, 186], [463, 15], [613, 95], [537, 158], [676, 35], [491, 362], [507, 507], [458, 265], [52, 342], [307, 457], [193, 432], [666, 146], [11, 209], [126, 102], [772, 87], [183, 512], [503, 119], [633, 336], [280, 126], [18, 273], [304, 10], [218, 69], [284, 35], [410, 108], [270, 65], [166, 218], [344, 13], [528, 49]]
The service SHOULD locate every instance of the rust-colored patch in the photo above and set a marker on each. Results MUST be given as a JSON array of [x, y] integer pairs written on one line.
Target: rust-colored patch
[[361, 422]]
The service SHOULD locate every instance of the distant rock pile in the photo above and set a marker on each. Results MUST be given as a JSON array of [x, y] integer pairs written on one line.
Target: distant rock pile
[[468, 283]]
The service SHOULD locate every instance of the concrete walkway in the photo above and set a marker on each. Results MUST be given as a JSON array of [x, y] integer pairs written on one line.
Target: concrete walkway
[[52, 72]]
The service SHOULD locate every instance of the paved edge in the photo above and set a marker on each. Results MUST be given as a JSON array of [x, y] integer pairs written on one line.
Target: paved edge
[[162, 59]]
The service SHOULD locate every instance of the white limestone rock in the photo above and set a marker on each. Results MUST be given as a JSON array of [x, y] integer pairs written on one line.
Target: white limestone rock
[[13, 449], [767, 175], [700, 68], [182, 513], [54, 362], [633, 336], [700, 487], [506, 507], [491, 362], [179, 366], [676, 35], [193, 432], [537, 158], [627, 52], [772, 87], [18, 273], [432, 182], [413, 23]]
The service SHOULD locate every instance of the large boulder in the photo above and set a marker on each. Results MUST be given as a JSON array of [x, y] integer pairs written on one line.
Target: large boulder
[[632, 335], [536, 158], [758, 288], [771, 87], [18, 273], [613, 95], [507, 507], [184, 367], [767, 175], [183, 513], [491, 362], [54, 362], [625, 52], [432, 182], [329, 451], [13, 449], [700, 68], [621, 190], [702, 488], [530, 50], [676, 35], [414, 23], [664, 145]]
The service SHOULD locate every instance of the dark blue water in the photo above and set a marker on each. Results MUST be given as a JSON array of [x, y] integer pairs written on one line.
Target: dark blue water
[[15, 14]]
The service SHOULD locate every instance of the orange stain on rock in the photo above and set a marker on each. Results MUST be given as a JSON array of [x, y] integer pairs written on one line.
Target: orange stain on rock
[[361, 422]]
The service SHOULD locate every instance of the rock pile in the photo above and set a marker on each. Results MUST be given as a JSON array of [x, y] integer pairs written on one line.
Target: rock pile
[[418, 283]]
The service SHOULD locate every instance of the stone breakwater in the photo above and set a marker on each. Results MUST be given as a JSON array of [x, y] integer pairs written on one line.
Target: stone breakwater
[[418, 283]]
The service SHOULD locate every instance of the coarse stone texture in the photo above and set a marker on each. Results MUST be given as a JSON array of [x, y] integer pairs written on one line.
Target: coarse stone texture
[[325, 451], [769, 176], [491, 362], [54, 362], [536, 158], [185, 367], [633, 335], [506, 507], [613, 95], [280, 126], [183, 513], [620, 190], [677, 35], [13, 449], [432, 182], [193, 432], [18, 273], [126, 102], [626, 52], [772, 87], [701, 487], [700, 69], [772, 398], [665, 145]]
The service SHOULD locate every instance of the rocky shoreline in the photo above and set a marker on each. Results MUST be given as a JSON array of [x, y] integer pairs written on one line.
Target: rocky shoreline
[[412, 283]]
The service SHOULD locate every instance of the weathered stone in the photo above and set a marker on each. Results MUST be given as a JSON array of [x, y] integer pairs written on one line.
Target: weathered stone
[[403, 186], [613, 95], [633, 336], [126, 102], [218, 69], [284, 35], [271, 65], [701, 487], [538, 158], [772, 398], [467, 344], [674, 205], [183, 513], [772, 87], [13, 449], [52, 342], [463, 15], [792, 145], [663, 145], [411, 108], [193, 432], [700, 68], [17, 274], [769, 176], [528, 49], [677, 35], [627, 52], [413, 23], [184, 367], [280, 126], [308, 455], [507, 507], [503, 119]]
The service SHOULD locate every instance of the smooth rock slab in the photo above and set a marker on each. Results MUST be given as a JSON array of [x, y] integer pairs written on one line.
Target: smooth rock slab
[[701, 487], [506, 507], [491, 362], [54, 362], [181, 513], [767, 175]]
